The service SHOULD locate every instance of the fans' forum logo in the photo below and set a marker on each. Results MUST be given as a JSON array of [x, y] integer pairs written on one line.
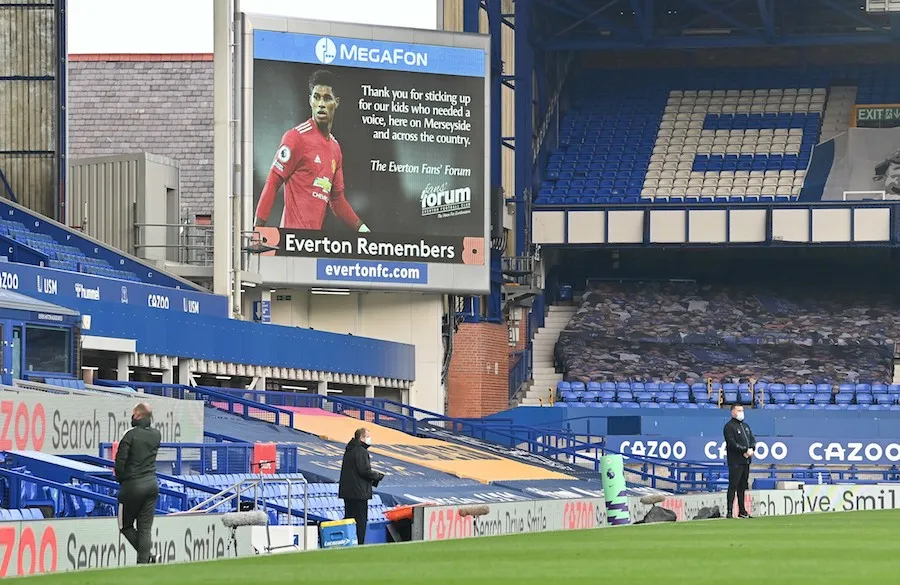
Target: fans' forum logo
[[326, 50]]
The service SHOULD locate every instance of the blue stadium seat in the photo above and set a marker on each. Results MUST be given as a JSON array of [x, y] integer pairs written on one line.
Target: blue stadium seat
[[822, 399], [843, 398]]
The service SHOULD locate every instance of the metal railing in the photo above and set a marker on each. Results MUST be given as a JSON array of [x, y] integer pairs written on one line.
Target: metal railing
[[519, 370], [217, 397], [185, 243], [521, 270], [215, 457]]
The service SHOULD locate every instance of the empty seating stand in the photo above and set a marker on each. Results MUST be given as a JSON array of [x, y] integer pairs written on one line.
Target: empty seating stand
[[322, 500], [61, 256], [696, 136], [861, 396]]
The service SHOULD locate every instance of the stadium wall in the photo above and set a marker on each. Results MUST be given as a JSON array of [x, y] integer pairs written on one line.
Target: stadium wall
[[32, 132], [478, 381], [160, 104], [401, 317]]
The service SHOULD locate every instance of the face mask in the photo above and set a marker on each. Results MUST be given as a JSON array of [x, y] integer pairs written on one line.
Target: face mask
[[740, 416], [134, 421], [367, 440]]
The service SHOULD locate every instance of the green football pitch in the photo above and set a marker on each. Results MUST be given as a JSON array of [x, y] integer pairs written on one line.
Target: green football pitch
[[847, 547]]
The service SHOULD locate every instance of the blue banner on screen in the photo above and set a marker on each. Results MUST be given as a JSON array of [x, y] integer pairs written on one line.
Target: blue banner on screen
[[368, 54], [369, 271], [59, 286], [769, 450]]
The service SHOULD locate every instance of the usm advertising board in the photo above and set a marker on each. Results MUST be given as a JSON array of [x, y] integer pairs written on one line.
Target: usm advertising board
[[69, 425], [769, 450], [63, 545], [63, 288], [370, 157]]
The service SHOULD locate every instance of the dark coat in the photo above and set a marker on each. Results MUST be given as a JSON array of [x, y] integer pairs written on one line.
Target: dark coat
[[738, 440], [357, 475], [136, 457]]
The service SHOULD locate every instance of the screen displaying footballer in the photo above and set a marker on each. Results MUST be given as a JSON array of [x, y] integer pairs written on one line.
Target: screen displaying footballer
[[370, 151]]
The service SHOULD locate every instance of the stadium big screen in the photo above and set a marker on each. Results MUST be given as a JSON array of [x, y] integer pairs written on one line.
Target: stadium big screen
[[370, 166]]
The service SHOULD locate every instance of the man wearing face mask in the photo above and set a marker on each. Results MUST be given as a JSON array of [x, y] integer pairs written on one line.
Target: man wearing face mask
[[138, 489], [739, 444], [357, 480]]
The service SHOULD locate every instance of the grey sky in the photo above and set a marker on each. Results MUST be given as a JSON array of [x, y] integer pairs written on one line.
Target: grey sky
[[185, 26]]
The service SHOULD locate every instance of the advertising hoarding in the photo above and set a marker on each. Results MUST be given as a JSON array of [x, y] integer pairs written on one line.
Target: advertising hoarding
[[69, 424], [769, 450], [757, 502], [452, 522], [370, 157], [60, 286], [63, 545], [850, 498]]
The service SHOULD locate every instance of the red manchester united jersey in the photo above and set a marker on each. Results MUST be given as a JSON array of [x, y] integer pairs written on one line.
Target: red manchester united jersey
[[309, 163]]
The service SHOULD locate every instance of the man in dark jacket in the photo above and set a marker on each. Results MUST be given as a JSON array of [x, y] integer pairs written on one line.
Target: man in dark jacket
[[739, 444], [357, 481], [136, 474]]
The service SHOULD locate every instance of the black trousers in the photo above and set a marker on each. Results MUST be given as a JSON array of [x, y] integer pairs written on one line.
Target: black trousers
[[137, 505], [738, 481], [358, 510]]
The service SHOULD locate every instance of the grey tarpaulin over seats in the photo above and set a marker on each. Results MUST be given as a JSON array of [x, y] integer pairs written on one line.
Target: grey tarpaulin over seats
[[684, 331], [597, 359]]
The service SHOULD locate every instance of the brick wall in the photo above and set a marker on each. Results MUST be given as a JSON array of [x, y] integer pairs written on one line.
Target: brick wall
[[162, 104], [478, 384]]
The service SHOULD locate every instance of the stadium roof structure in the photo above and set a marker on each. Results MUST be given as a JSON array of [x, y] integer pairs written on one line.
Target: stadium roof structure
[[584, 25]]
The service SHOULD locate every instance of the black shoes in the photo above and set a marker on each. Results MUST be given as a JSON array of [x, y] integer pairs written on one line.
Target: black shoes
[[152, 559], [744, 516]]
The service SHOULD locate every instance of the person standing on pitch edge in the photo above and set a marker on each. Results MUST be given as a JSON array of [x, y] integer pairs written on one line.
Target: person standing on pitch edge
[[357, 480], [739, 444], [138, 489]]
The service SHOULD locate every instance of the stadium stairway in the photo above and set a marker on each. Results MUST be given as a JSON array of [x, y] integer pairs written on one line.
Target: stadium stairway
[[544, 374]]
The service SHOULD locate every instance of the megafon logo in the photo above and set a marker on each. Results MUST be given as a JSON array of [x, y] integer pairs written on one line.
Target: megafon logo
[[327, 51]]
